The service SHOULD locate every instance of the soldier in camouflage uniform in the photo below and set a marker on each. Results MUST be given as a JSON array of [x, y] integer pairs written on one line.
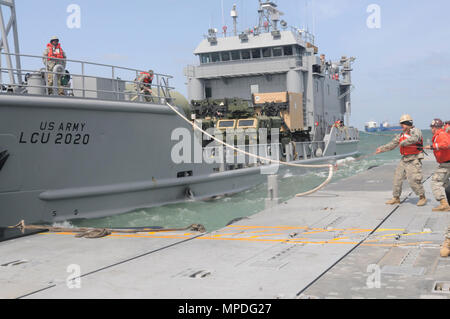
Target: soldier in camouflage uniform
[[54, 55], [143, 85], [441, 149], [410, 166]]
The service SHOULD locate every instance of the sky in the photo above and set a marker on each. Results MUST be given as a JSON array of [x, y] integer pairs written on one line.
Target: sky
[[401, 67]]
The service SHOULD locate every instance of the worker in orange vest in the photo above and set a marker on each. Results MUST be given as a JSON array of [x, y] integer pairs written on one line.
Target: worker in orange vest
[[144, 84], [54, 55], [441, 148], [410, 142]]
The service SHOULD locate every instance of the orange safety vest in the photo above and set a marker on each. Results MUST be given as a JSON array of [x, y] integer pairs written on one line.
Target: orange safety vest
[[56, 53], [441, 144], [414, 149], [148, 79]]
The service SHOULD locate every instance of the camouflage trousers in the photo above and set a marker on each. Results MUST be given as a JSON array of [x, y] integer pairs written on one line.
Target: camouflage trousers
[[50, 78], [412, 171], [440, 181], [148, 97]]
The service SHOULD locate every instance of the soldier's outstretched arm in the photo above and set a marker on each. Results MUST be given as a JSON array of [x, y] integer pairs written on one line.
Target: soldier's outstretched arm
[[391, 146]]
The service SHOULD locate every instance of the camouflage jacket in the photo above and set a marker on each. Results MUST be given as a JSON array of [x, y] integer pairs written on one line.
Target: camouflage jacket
[[141, 79], [416, 136]]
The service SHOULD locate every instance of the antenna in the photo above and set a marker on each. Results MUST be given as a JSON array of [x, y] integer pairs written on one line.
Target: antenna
[[223, 14], [4, 44], [234, 15], [313, 18]]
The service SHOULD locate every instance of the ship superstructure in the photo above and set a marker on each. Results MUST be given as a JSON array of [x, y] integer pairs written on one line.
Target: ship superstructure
[[273, 58]]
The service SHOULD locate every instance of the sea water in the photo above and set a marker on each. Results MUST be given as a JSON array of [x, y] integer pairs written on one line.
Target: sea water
[[216, 214]]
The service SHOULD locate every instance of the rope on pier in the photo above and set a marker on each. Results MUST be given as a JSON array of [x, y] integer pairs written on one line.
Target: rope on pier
[[271, 161], [378, 134], [94, 233]]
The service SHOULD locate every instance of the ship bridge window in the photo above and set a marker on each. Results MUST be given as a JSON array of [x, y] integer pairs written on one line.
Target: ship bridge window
[[225, 124], [215, 57], [235, 55], [267, 52], [256, 53], [277, 51], [247, 123], [245, 54], [225, 56], [288, 50], [205, 58]]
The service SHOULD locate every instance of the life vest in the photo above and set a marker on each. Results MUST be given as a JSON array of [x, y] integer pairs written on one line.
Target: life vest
[[441, 143], [413, 149], [56, 53], [148, 79]]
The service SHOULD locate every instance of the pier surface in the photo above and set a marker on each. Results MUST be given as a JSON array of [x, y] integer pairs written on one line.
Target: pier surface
[[342, 242]]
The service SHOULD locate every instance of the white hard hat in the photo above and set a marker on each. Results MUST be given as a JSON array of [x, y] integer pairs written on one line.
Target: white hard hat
[[406, 118]]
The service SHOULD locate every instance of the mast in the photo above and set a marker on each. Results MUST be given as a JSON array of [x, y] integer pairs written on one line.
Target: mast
[[5, 49], [234, 15]]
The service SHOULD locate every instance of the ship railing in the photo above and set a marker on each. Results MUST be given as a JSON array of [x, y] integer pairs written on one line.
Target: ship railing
[[89, 80], [308, 150], [304, 35], [290, 152]]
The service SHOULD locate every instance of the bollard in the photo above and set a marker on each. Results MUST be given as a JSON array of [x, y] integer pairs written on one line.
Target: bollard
[[273, 199]]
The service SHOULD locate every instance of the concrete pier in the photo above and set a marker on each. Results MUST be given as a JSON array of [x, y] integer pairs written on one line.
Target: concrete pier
[[342, 242]]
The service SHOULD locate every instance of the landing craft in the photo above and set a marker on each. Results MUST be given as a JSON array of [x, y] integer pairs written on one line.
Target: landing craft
[[119, 158]]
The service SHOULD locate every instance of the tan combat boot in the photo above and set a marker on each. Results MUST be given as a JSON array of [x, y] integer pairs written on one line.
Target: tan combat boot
[[445, 249], [443, 208], [422, 201], [394, 201]]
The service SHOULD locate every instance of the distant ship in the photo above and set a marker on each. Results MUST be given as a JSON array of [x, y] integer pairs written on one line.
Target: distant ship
[[386, 127], [372, 127]]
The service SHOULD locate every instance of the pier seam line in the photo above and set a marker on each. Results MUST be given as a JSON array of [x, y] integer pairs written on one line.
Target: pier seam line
[[357, 246], [114, 265]]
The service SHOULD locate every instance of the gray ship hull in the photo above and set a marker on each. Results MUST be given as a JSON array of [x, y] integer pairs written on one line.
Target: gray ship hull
[[75, 158]]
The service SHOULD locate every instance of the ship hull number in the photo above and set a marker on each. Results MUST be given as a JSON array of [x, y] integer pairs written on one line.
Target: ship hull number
[[65, 133]]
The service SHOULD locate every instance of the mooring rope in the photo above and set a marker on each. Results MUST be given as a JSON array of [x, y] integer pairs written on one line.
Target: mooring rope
[[272, 161], [94, 233], [378, 134]]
